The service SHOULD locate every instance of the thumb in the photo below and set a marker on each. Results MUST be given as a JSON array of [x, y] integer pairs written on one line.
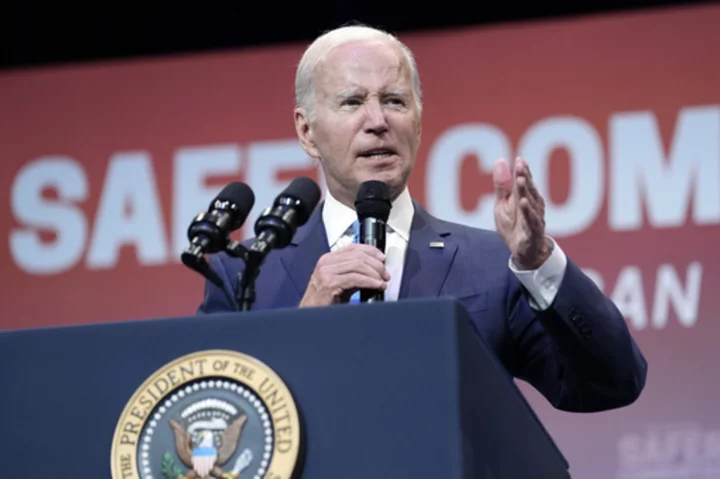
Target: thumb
[[502, 179]]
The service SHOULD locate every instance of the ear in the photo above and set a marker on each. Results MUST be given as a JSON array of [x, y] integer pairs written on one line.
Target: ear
[[304, 130], [418, 129]]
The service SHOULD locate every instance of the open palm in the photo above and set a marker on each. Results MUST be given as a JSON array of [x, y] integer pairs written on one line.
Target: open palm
[[520, 214]]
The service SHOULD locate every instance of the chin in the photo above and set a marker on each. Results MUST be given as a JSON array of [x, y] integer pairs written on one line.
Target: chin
[[391, 179], [394, 177]]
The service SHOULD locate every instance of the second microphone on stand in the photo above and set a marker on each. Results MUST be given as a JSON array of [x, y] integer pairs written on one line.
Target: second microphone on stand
[[372, 205], [275, 229]]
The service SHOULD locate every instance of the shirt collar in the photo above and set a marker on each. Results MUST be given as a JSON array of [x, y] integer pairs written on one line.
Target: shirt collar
[[338, 218]]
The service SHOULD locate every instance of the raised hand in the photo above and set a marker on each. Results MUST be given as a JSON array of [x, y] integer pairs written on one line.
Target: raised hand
[[520, 214]]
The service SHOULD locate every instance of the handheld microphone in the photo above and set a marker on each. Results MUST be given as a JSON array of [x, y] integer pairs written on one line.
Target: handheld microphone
[[373, 205], [276, 226], [209, 232]]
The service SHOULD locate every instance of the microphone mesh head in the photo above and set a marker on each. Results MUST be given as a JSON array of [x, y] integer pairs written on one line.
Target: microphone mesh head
[[237, 192], [307, 193], [373, 200], [240, 199]]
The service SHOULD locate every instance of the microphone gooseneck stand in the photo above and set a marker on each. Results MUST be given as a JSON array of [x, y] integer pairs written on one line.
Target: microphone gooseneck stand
[[245, 294]]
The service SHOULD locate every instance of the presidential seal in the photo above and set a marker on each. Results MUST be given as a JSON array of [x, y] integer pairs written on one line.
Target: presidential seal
[[211, 414]]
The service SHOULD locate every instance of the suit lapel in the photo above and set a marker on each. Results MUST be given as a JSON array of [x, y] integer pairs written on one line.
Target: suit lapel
[[308, 245], [426, 265]]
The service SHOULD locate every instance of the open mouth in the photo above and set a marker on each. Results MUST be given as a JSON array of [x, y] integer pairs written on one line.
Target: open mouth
[[378, 153]]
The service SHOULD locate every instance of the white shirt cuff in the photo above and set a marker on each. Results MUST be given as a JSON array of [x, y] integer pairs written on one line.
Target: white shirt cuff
[[543, 283]]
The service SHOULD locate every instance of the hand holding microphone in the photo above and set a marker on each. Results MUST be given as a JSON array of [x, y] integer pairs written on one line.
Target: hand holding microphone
[[359, 266]]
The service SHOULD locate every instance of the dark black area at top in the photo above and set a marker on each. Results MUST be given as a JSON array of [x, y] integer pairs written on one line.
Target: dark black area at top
[[43, 33]]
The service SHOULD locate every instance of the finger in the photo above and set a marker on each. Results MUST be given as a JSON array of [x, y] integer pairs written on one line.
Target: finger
[[526, 190], [367, 266], [377, 267], [534, 221], [502, 179], [522, 167], [375, 259], [356, 281], [365, 249], [524, 178], [355, 257]]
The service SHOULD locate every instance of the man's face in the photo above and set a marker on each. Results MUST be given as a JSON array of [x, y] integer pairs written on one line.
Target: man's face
[[366, 124]]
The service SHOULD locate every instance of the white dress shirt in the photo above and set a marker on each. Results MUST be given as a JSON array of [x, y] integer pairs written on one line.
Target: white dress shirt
[[542, 283]]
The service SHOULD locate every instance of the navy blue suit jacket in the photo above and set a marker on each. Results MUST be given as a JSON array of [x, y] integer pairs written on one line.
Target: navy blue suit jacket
[[578, 353]]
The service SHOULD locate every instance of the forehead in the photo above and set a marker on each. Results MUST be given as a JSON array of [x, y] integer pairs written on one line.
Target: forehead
[[363, 65]]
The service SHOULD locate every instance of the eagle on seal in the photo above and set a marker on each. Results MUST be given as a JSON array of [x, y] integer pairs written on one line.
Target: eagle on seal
[[205, 461]]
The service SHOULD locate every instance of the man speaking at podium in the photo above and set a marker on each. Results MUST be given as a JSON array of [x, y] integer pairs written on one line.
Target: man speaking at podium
[[359, 113]]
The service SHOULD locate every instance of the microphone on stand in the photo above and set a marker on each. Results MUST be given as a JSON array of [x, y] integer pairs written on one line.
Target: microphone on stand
[[276, 226], [372, 205], [209, 231], [274, 229]]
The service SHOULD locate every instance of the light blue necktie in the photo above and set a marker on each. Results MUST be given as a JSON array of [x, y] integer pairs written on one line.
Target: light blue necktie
[[355, 298]]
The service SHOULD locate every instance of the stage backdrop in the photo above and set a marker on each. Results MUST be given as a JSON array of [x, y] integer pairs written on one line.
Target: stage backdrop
[[104, 165]]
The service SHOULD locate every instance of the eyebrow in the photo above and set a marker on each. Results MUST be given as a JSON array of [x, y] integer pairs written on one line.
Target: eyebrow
[[345, 94], [403, 93]]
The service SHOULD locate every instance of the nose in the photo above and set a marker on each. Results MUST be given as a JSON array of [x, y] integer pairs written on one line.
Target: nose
[[376, 121]]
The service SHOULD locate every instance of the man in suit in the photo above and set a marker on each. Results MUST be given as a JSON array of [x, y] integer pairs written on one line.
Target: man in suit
[[358, 112]]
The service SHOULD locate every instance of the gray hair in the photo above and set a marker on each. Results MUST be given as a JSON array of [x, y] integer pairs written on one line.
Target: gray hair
[[305, 74]]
